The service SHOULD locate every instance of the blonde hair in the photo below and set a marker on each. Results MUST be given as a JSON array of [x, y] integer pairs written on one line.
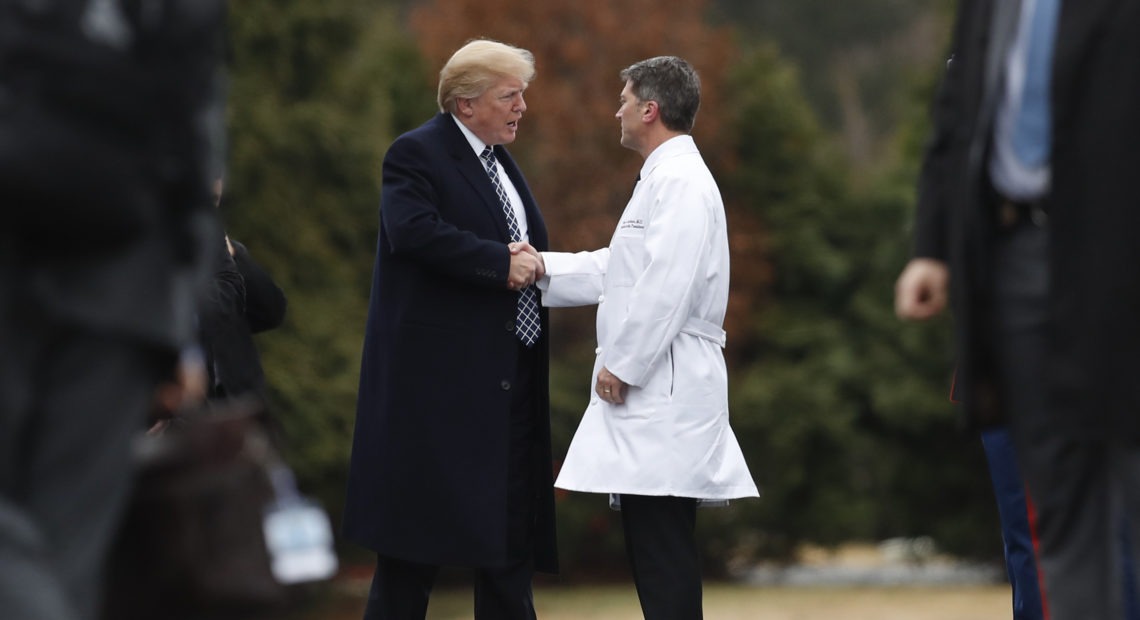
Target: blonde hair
[[477, 66]]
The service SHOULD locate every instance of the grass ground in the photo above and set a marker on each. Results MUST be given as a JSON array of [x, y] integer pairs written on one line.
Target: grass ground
[[728, 602]]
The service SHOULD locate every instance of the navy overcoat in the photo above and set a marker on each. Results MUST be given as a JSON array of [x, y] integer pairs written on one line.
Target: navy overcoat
[[428, 474]]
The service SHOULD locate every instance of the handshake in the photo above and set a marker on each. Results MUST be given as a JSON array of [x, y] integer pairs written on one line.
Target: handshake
[[527, 265]]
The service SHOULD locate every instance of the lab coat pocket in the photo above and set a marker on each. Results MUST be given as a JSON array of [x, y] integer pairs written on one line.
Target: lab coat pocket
[[627, 257], [655, 396]]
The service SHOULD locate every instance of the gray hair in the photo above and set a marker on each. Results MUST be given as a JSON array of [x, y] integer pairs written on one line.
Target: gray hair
[[672, 83]]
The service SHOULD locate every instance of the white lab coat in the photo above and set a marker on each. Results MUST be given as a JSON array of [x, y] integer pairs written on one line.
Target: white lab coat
[[661, 289]]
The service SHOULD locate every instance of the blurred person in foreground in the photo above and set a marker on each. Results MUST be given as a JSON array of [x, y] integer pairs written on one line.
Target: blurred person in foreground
[[451, 454], [196, 542], [656, 434], [1015, 514], [1019, 533], [242, 301], [105, 157], [1027, 221]]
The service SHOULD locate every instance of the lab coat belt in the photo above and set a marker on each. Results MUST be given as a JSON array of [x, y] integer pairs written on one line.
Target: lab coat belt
[[705, 329]]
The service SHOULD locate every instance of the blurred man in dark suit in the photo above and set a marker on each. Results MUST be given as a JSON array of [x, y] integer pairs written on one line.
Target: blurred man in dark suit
[[104, 177], [1028, 213]]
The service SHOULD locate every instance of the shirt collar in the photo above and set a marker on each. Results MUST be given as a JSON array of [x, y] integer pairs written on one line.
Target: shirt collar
[[476, 144], [677, 145]]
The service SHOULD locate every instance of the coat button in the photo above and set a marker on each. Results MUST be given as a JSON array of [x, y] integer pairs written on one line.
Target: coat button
[[601, 298], [509, 326], [506, 385], [598, 351]]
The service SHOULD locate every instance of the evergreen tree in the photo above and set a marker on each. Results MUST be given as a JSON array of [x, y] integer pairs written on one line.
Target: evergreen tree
[[840, 407], [317, 91]]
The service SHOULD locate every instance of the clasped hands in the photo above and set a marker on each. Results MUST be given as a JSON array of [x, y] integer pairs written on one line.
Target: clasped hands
[[527, 265]]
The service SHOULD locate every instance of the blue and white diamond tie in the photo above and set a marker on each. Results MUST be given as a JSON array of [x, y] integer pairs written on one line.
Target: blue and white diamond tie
[[527, 324]]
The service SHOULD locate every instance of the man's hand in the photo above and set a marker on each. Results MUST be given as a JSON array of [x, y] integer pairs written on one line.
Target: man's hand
[[526, 266], [525, 246], [188, 388], [922, 289], [610, 388]]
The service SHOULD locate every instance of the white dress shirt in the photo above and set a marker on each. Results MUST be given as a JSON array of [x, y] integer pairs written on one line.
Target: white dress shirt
[[512, 193]]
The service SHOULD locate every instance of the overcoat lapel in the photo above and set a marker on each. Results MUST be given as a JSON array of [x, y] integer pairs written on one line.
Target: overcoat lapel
[[472, 170], [1003, 31], [1078, 21]]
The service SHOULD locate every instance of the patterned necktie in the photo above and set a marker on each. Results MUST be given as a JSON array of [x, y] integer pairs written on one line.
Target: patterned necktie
[[527, 323], [1032, 137]]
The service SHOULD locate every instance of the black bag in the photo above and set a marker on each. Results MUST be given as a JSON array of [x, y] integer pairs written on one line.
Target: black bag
[[192, 544]]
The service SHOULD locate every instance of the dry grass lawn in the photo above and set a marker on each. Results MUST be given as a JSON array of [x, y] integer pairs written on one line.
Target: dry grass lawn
[[734, 602]]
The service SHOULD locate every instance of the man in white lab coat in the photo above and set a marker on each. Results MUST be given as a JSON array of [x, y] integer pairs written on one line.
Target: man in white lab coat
[[655, 434]]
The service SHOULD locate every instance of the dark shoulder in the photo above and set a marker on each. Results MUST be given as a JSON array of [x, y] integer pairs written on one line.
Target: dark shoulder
[[426, 140], [434, 132]]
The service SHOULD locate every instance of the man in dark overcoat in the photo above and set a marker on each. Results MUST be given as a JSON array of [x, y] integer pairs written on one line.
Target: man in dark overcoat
[[451, 459], [1028, 218]]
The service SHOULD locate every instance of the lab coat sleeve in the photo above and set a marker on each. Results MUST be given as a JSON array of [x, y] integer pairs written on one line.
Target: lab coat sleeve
[[576, 279], [676, 244]]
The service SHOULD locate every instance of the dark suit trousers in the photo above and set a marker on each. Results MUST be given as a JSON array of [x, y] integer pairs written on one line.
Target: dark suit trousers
[[662, 549], [1016, 533], [1079, 485], [400, 589], [70, 402]]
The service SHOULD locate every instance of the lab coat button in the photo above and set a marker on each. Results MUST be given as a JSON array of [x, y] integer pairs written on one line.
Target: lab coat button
[[601, 298], [598, 351]]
